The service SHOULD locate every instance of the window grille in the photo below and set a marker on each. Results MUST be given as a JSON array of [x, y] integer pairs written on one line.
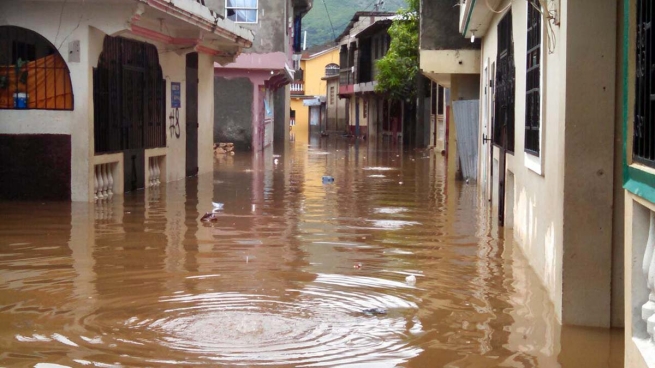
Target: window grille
[[129, 95], [33, 74], [533, 75], [643, 146], [440, 100], [433, 98], [503, 127], [241, 11]]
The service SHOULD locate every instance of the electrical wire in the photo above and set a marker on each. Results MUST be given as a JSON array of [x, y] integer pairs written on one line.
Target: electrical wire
[[334, 35], [549, 17], [497, 11]]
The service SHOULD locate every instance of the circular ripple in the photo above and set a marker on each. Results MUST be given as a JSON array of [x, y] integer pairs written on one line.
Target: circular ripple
[[320, 324]]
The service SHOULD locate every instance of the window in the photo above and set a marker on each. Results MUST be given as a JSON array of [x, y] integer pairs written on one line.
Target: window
[[241, 11], [365, 109], [503, 126], [332, 95], [643, 144], [33, 75], [532, 84], [441, 97], [433, 99]]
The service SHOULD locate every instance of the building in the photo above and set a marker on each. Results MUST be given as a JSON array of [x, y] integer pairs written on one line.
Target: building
[[635, 107], [252, 94], [313, 112], [362, 43], [539, 78], [102, 97], [452, 64]]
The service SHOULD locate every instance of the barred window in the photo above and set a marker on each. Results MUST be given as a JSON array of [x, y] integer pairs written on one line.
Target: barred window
[[33, 74], [241, 11], [643, 147], [503, 126], [532, 84]]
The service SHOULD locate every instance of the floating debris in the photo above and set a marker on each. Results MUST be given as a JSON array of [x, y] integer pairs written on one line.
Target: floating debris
[[374, 311], [410, 280], [328, 179]]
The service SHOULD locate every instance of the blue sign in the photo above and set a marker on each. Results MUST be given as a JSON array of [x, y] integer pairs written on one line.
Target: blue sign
[[176, 95]]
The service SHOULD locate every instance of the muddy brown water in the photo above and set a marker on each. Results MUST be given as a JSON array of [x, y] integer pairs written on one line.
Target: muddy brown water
[[283, 276]]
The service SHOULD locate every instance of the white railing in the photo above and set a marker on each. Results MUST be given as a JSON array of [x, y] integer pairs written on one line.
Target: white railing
[[154, 171], [297, 87], [103, 181], [648, 268]]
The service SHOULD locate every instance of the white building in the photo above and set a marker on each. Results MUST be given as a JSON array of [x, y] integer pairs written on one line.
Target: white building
[[100, 96]]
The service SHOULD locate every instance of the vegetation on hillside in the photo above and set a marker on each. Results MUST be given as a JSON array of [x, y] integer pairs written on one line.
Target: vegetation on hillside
[[317, 24]]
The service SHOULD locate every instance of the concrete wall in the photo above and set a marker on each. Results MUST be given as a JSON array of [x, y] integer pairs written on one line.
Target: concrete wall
[[233, 105], [571, 182], [336, 107], [271, 29], [439, 27]]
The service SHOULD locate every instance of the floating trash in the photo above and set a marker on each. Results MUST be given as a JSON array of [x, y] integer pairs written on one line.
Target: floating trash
[[410, 280], [375, 311], [328, 179]]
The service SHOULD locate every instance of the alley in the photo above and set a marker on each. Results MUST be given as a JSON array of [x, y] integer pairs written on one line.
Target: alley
[[293, 272]]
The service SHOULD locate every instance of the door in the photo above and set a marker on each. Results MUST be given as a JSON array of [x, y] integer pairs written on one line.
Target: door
[[192, 114], [504, 106]]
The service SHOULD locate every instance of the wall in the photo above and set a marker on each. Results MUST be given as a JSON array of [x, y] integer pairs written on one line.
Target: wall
[[439, 27], [74, 25], [301, 129], [336, 112], [566, 185], [270, 30], [314, 70], [233, 105]]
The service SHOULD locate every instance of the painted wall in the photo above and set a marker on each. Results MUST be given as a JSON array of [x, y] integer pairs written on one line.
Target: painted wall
[[88, 23], [301, 129], [561, 202], [336, 107], [314, 70]]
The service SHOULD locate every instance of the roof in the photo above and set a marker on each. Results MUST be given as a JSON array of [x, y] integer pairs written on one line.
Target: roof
[[356, 17], [319, 50], [375, 28]]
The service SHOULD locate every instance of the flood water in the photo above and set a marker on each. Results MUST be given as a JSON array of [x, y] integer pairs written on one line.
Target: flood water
[[284, 275]]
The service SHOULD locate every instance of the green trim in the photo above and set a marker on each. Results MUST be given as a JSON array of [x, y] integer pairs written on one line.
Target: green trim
[[637, 182], [468, 19]]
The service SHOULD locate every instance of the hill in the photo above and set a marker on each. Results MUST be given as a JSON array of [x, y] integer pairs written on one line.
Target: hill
[[317, 24]]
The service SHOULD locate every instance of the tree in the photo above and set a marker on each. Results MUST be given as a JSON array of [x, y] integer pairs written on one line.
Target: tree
[[399, 68]]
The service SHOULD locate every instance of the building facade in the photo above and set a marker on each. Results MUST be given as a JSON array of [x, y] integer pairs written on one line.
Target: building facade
[[309, 102], [108, 96], [362, 43], [252, 94]]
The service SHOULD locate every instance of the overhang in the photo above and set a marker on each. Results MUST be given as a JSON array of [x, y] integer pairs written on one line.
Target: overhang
[[183, 26], [439, 65], [476, 16]]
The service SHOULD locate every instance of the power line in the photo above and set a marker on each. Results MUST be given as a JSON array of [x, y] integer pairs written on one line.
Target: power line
[[334, 35]]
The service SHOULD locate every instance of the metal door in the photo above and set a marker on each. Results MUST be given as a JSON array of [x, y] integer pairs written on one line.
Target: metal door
[[191, 114]]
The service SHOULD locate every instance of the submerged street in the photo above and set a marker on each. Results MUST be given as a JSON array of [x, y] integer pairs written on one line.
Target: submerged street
[[292, 272]]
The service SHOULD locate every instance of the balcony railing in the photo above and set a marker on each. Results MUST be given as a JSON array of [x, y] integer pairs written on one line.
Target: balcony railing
[[298, 88], [346, 77]]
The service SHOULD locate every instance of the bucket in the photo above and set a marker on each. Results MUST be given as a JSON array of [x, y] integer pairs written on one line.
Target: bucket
[[20, 100]]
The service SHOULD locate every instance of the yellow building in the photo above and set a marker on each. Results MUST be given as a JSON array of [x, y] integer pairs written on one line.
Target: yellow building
[[308, 91]]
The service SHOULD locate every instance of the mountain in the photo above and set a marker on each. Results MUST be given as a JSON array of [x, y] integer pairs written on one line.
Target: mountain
[[317, 23]]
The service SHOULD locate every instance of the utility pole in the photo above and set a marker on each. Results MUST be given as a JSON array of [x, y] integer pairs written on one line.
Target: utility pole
[[379, 5]]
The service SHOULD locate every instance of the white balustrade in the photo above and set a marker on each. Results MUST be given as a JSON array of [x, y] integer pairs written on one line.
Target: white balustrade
[[103, 181], [648, 268], [154, 170]]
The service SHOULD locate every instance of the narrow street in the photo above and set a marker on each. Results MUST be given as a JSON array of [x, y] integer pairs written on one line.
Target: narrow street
[[291, 272]]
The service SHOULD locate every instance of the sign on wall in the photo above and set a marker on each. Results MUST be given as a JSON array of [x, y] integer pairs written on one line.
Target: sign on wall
[[176, 95]]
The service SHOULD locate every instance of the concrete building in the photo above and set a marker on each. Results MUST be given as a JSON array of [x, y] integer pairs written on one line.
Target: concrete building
[[453, 66], [635, 106], [362, 43], [252, 94], [309, 105], [101, 97], [543, 75]]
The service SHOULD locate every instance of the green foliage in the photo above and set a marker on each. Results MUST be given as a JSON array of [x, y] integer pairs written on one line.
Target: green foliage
[[399, 68], [317, 24]]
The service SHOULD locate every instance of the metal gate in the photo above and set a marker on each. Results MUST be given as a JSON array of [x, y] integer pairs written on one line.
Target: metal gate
[[129, 104], [503, 126]]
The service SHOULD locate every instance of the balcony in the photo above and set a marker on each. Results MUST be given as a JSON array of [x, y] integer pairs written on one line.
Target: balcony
[[346, 81], [297, 88]]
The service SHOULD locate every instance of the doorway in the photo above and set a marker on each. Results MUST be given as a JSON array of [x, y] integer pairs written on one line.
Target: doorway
[[192, 114]]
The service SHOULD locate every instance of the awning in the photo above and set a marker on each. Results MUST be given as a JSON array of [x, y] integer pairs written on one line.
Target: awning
[[317, 101]]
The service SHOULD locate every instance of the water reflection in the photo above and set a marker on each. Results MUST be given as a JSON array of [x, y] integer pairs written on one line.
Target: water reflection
[[283, 276]]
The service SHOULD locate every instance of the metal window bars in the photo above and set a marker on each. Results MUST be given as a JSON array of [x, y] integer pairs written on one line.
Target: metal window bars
[[503, 126], [643, 147], [33, 74], [532, 83]]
